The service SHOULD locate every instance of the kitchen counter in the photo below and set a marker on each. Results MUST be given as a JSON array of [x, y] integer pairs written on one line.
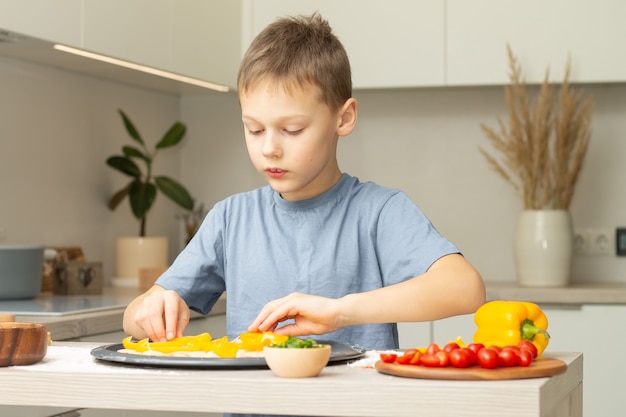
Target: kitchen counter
[[92, 321], [69, 377], [574, 294], [88, 320]]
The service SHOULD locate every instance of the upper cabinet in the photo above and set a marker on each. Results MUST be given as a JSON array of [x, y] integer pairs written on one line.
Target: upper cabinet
[[54, 20], [197, 38], [541, 34], [392, 44], [396, 43]]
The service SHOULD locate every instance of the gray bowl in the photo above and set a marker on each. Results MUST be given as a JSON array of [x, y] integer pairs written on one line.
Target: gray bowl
[[20, 271]]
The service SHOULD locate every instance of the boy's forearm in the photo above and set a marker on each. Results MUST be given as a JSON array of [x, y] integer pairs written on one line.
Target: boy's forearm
[[450, 287]]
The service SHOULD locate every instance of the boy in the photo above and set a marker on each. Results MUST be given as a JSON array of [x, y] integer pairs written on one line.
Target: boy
[[315, 252]]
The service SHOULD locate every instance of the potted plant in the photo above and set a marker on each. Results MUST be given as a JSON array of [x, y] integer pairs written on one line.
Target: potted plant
[[134, 253], [541, 154]]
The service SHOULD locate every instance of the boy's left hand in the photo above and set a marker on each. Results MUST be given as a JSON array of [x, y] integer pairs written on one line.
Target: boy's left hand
[[311, 314]]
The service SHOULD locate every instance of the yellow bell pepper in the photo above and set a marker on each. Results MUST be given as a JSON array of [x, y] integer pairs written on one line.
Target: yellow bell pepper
[[505, 323]]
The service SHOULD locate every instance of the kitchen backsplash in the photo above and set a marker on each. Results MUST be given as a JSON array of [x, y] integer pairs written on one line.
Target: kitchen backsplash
[[57, 128]]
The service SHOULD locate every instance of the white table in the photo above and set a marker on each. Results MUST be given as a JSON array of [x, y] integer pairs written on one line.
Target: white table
[[70, 377]]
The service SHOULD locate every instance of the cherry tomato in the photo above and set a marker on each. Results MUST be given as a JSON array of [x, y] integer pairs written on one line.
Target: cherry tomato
[[496, 348], [449, 347], [475, 347], [471, 356], [444, 357], [404, 359], [515, 349], [415, 360], [433, 348], [487, 358], [528, 345], [388, 357], [507, 357], [429, 359], [460, 358], [524, 358]]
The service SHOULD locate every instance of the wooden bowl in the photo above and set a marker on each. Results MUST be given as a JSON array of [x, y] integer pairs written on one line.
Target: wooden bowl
[[22, 343], [297, 362]]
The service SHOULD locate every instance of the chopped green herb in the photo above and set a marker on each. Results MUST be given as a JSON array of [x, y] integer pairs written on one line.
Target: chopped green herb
[[293, 342]]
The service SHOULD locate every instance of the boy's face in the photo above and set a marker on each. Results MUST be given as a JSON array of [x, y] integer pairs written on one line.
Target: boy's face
[[292, 138]]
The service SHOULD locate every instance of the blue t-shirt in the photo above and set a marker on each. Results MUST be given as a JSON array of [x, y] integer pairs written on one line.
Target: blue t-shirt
[[257, 247]]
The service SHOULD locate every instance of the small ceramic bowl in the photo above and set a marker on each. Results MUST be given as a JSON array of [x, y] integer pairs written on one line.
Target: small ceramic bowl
[[22, 343], [297, 362]]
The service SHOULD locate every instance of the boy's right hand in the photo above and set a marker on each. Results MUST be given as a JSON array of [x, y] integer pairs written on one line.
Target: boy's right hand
[[158, 314]]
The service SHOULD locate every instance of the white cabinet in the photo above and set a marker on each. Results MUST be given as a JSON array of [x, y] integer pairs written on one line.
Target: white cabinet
[[541, 34], [414, 335], [397, 43], [446, 330], [597, 331], [137, 30], [54, 20], [206, 40], [196, 38]]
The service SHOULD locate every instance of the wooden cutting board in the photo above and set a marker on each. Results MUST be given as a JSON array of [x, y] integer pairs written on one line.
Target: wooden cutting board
[[542, 367]]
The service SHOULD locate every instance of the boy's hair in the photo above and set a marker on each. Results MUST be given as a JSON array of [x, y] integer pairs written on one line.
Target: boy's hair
[[294, 52]]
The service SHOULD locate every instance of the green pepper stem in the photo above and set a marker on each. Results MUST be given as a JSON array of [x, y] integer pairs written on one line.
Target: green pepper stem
[[528, 330]]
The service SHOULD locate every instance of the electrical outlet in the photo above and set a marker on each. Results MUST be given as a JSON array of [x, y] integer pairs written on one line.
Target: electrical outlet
[[594, 242]]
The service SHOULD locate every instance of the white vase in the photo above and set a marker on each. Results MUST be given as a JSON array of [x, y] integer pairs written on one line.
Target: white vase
[[135, 253], [544, 248]]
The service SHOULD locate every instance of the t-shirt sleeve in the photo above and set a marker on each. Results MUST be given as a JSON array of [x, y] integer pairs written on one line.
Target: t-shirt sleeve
[[407, 242], [197, 273]]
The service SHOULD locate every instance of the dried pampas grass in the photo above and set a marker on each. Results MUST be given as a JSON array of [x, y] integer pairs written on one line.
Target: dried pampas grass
[[543, 146]]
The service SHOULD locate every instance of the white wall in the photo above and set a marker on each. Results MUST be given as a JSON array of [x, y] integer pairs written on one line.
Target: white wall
[[56, 130], [425, 141]]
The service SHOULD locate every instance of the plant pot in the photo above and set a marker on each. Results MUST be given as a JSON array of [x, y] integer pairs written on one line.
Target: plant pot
[[136, 253], [544, 248], [20, 271]]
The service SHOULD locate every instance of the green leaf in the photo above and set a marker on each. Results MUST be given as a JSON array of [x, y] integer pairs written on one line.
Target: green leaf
[[175, 191], [125, 165], [132, 152], [130, 127], [118, 197], [142, 196], [173, 136]]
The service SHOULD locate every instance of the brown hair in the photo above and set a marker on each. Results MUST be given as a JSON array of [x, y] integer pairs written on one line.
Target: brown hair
[[294, 52]]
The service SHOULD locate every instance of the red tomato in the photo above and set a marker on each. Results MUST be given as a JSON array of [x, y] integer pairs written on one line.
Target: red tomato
[[444, 358], [435, 360], [487, 358], [496, 348], [528, 345], [416, 358], [451, 346], [429, 359], [460, 358], [433, 348], [507, 357], [475, 347], [406, 357], [524, 358], [515, 349], [388, 357], [471, 356]]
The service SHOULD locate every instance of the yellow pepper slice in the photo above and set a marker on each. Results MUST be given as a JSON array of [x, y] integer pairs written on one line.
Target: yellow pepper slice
[[222, 347]]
